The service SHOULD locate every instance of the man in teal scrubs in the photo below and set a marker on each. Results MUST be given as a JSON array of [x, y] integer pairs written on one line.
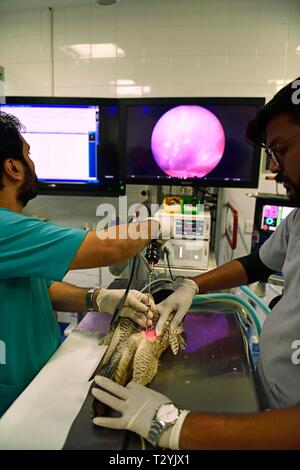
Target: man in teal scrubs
[[34, 257]]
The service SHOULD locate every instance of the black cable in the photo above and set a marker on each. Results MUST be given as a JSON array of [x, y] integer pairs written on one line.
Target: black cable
[[122, 301], [168, 262]]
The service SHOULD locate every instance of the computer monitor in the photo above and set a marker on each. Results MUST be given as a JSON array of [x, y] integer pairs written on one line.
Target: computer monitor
[[273, 215], [270, 211], [189, 141], [74, 143]]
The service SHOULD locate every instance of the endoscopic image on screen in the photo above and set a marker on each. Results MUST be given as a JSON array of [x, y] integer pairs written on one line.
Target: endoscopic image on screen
[[189, 142]]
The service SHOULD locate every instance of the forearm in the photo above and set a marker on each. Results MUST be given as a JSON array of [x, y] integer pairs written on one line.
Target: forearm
[[113, 245], [276, 429], [68, 298], [231, 274]]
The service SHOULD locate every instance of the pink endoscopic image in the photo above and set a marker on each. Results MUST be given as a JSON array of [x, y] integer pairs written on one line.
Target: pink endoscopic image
[[188, 141]]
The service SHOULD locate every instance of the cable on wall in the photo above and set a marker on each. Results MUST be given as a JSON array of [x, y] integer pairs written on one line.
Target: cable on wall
[[51, 50]]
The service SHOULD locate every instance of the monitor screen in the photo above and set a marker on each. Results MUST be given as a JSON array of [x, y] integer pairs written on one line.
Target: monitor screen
[[189, 141], [73, 143], [273, 215]]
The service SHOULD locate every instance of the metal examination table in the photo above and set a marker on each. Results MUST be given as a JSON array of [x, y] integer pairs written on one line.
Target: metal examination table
[[213, 374]]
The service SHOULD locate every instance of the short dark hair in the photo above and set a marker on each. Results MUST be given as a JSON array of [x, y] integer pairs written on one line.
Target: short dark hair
[[11, 145], [282, 102]]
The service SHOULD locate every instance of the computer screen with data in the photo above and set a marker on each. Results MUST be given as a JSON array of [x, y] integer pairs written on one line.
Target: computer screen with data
[[273, 215], [73, 142]]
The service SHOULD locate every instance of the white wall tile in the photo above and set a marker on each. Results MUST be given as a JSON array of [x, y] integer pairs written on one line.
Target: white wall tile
[[8, 25], [30, 48], [60, 73], [78, 37], [244, 12], [59, 20], [78, 18], [196, 13], [131, 13], [211, 69], [131, 69], [248, 39], [294, 39], [274, 11], [45, 42], [104, 35], [129, 91], [208, 39], [157, 41], [157, 90], [157, 70], [35, 75], [36, 91], [181, 89], [272, 39], [86, 91], [102, 17], [78, 71], [45, 21], [59, 47], [12, 78], [29, 22], [103, 71], [293, 67], [130, 41], [240, 69], [270, 68], [184, 69], [158, 14], [9, 50], [294, 11]]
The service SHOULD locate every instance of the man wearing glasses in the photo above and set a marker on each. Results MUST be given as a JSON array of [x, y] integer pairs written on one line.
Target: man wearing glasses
[[276, 127]]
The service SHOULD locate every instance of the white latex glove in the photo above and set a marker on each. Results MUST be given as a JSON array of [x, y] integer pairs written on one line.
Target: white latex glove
[[136, 306], [166, 224], [137, 405], [177, 303]]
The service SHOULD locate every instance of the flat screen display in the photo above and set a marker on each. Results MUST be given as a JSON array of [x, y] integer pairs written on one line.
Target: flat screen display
[[183, 141], [273, 215], [73, 143]]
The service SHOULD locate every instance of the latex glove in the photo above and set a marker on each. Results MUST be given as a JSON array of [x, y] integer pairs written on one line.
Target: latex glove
[[137, 405], [136, 306], [166, 225], [177, 303]]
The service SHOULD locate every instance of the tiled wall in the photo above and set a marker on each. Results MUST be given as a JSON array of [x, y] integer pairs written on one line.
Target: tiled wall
[[153, 48]]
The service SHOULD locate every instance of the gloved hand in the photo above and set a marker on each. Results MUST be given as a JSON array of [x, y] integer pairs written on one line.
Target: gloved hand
[[166, 222], [136, 306], [178, 303], [138, 405]]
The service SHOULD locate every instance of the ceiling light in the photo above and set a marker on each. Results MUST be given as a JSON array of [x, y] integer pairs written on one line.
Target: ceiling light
[[107, 2]]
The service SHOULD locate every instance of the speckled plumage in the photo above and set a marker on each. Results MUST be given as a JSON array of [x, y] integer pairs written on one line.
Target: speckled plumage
[[132, 356]]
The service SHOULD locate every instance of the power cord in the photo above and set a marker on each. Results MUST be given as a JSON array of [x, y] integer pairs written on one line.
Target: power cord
[[121, 303], [166, 251]]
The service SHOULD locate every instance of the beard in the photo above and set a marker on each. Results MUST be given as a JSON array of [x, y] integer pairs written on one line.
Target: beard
[[293, 192], [29, 188]]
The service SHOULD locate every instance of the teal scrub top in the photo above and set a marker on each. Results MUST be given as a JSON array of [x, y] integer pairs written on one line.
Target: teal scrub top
[[32, 255]]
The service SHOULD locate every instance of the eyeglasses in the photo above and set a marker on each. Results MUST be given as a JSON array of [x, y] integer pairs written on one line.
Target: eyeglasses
[[277, 152]]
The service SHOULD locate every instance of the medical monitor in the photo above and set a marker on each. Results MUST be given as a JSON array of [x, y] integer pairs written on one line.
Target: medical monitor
[[189, 141], [74, 143]]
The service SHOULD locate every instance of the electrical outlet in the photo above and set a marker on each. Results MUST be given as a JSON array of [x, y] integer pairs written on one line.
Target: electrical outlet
[[248, 226]]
